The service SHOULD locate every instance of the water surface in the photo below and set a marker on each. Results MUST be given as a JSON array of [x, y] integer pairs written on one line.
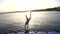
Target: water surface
[[41, 21]]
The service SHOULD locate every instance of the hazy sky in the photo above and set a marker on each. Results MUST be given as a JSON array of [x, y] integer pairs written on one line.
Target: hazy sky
[[17, 5]]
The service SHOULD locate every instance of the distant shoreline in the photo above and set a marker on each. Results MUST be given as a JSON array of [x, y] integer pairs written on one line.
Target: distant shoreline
[[49, 9], [24, 11]]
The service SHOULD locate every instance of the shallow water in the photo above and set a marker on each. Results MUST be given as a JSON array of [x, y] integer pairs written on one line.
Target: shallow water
[[40, 21]]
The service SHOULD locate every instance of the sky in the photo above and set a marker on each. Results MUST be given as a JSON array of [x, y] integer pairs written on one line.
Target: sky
[[23, 5]]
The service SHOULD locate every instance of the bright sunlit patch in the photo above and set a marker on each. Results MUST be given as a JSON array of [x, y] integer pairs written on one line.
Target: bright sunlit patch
[[23, 5]]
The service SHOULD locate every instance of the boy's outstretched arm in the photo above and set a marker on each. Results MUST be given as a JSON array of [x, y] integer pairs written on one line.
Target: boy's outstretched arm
[[30, 15], [26, 17]]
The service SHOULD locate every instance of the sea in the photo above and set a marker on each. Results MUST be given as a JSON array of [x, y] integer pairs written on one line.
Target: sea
[[41, 21]]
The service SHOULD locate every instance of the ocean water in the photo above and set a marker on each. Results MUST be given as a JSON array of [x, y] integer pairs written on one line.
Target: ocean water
[[46, 21]]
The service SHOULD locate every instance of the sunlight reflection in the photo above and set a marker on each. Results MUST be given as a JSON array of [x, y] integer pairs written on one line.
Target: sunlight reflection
[[21, 18]]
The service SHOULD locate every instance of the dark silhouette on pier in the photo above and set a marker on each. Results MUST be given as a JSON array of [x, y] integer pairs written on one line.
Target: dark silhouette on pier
[[27, 23]]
